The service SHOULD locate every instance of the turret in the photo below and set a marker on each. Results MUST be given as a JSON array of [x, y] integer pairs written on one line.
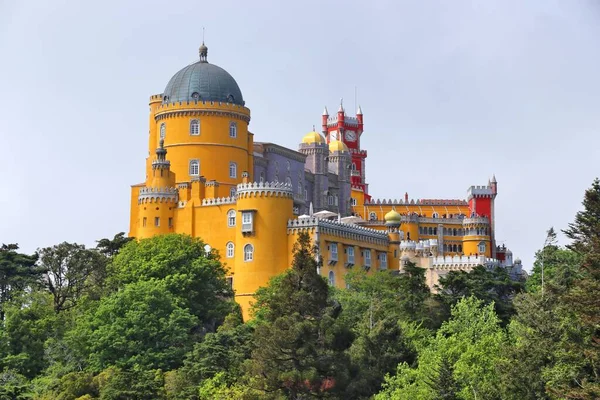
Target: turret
[[324, 119], [339, 164], [316, 150], [158, 199], [261, 248]]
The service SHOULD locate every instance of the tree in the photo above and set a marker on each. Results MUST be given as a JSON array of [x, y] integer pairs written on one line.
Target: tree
[[191, 274], [68, 269], [17, 272], [415, 297], [111, 247], [461, 360], [141, 325], [298, 345]]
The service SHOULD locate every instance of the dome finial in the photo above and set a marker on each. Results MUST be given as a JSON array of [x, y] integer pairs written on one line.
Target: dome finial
[[203, 49]]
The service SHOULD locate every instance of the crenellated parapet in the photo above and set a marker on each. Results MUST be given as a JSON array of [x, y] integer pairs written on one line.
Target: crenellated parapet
[[264, 189], [202, 108], [475, 221], [419, 202], [157, 195], [218, 201], [480, 192], [334, 228]]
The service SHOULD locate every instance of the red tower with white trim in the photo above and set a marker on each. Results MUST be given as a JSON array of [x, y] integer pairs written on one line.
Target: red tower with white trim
[[349, 130]]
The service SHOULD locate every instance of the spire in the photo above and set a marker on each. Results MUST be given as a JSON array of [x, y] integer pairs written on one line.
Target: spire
[[494, 179], [161, 156], [341, 109], [203, 50], [325, 112], [359, 111]]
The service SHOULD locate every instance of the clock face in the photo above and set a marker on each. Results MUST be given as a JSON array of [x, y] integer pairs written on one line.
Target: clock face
[[350, 136], [333, 135]]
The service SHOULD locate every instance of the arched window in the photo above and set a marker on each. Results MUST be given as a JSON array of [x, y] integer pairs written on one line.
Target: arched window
[[435, 215], [231, 218], [194, 167], [194, 127], [232, 191], [435, 231], [248, 252], [163, 130], [232, 170], [372, 216], [300, 189], [288, 181], [232, 130], [353, 166], [460, 248], [481, 247], [331, 278], [288, 165], [353, 201], [230, 249]]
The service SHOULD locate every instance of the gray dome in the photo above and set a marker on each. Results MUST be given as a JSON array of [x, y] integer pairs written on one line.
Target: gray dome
[[202, 81]]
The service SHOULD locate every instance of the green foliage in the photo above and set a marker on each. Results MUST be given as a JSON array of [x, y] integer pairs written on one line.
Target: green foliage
[[298, 344], [111, 247], [491, 286], [17, 272], [70, 269], [460, 362], [13, 386], [189, 273], [141, 325], [415, 295]]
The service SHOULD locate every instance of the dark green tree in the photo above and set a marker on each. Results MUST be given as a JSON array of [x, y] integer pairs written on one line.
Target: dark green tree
[[111, 247], [69, 269], [298, 344], [415, 302], [141, 325], [18, 272], [189, 272], [492, 286]]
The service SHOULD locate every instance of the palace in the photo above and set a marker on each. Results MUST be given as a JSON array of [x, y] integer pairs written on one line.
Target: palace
[[207, 177]]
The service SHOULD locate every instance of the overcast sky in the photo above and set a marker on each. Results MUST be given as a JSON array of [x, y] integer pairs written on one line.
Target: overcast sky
[[452, 92]]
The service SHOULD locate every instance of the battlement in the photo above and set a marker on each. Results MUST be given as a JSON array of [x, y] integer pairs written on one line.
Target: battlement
[[419, 202], [360, 152], [158, 195], [271, 189], [476, 221], [336, 228], [156, 97], [408, 245], [201, 107], [217, 201], [479, 191], [348, 121], [462, 262]]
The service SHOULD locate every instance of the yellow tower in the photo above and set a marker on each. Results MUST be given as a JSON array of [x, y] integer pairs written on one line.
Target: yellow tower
[[158, 199], [261, 242], [202, 119], [476, 240]]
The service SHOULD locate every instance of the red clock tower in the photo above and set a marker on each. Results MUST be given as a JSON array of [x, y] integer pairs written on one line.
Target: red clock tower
[[348, 130]]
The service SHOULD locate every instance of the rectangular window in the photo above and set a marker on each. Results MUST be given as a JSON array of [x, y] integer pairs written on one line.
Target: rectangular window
[[230, 281], [383, 261], [367, 255], [156, 221], [333, 252], [350, 252], [170, 222], [330, 200], [144, 221], [247, 222]]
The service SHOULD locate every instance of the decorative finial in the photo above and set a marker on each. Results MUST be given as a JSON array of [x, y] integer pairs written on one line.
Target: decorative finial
[[203, 49], [359, 111], [161, 152], [341, 109], [494, 178], [325, 112], [313, 128]]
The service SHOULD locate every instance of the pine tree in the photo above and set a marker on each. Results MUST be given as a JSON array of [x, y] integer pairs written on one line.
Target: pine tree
[[299, 344]]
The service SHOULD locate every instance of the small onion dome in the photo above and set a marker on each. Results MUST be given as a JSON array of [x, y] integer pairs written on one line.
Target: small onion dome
[[517, 261], [313, 137], [337, 145], [405, 258], [392, 218]]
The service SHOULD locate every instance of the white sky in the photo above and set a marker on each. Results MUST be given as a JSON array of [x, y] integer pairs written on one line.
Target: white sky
[[452, 92]]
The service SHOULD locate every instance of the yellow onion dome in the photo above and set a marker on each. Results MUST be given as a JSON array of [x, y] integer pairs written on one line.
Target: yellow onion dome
[[313, 137], [337, 145], [392, 218]]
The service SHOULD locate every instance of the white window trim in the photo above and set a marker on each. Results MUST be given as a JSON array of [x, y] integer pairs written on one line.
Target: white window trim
[[331, 278], [196, 172], [333, 251], [195, 122], [248, 253], [231, 218], [232, 169], [230, 252], [350, 252], [233, 130], [162, 131]]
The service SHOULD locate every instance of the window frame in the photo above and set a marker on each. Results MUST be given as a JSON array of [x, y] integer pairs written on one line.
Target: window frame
[[195, 162], [232, 169], [233, 130], [231, 218], [230, 250], [195, 123], [248, 252], [162, 133], [351, 254], [331, 278]]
